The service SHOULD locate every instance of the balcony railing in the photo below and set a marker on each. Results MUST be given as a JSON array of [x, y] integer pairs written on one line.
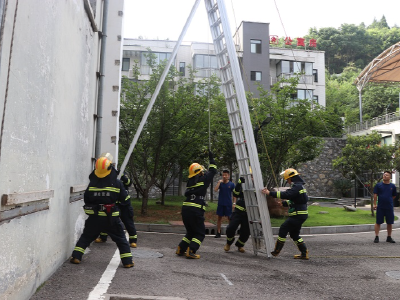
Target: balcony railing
[[365, 125], [303, 79]]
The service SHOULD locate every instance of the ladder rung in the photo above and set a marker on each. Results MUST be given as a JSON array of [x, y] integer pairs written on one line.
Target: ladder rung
[[228, 65], [238, 127], [234, 112], [251, 205], [220, 37], [216, 23], [254, 222], [231, 97], [240, 143], [224, 51], [213, 8], [228, 81], [243, 158]]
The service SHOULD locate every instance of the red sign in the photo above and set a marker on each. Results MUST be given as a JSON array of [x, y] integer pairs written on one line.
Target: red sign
[[313, 43], [288, 40], [300, 42], [273, 39]]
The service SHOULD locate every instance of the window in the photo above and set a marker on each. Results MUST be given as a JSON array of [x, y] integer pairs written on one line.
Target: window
[[303, 94], [315, 74], [126, 62], [255, 46], [182, 68], [255, 76], [291, 67], [205, 61], [159, 57], [315, 99]]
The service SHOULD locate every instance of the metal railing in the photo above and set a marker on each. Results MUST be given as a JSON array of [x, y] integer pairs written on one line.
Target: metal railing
[[303, 79], [365, 125]]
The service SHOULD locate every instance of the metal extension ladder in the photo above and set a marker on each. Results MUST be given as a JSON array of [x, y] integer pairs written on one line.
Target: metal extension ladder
[[242, 130]]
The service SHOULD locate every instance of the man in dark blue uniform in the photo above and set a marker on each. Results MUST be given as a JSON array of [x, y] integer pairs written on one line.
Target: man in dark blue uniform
[[194, 206], [385, 193], [239, 217], [297, 202], [101, 197]]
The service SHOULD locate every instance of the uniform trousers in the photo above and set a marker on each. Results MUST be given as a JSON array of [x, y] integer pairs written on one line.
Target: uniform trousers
[[238, 218], [193, 219], [292, 225]]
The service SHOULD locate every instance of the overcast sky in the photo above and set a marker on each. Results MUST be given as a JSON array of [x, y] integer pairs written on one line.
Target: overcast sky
[[164, 19]]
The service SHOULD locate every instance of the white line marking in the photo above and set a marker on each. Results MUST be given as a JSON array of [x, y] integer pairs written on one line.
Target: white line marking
[[101, 288], [226, 279]]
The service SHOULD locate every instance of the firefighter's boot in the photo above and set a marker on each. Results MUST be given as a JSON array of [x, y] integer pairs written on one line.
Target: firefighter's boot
[[191, 254], [180, 252], [227, 247], [133, 245], [74, 260], [278, 247], [304, 252]]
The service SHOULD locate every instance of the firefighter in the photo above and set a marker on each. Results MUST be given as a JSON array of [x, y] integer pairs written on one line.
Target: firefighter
[[126, 215], [297, 202], [101, 198], [194, 206], [239, 217]]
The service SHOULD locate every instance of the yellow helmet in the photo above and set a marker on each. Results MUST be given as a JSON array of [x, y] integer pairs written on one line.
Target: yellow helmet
[[103, 165], [195, 169], [289, 173]]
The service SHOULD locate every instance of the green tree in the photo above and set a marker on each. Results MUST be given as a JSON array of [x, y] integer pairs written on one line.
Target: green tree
[[366, 155], [294, 134]]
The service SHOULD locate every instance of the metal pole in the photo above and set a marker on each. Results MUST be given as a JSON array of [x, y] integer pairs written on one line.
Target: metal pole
[[360, 104], [99, 119], [157, 90]]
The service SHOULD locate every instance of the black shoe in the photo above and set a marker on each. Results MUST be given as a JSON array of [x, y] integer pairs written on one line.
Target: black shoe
[[376, 240], [218, 235], [390, 240]]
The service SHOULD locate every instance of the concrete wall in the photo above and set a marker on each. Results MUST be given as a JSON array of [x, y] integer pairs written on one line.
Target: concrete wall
[[47, 135], [319, 173]]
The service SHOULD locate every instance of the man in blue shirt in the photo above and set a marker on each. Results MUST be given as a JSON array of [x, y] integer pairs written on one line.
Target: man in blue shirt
[[225, 206], [386, 192]]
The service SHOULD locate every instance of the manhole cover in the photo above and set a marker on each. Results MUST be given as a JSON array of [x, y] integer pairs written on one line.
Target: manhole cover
[[146, 254], [394, 274]]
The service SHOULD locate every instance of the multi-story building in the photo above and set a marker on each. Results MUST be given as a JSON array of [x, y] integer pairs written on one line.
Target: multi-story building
[[260, 63]]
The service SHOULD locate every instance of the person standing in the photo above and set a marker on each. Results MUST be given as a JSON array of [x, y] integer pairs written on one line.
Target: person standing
[[101, 198], [224, 208], [194, 206], [126, 215], [384, 194], [239, 217], [297, 202]]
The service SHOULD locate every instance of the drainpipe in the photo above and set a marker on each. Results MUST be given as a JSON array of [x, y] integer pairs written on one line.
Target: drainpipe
[[360, 104], [101, 81]]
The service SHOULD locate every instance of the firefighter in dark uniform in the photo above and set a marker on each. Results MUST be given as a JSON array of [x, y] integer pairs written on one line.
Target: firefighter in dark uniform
[[239, 217], [126, 214], [194, 206], [101, 198], [297, 202]]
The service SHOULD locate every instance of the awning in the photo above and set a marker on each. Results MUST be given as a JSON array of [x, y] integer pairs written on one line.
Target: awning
[[385, 68]]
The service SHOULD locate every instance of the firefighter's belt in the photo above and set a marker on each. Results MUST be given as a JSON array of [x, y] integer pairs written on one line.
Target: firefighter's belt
[[298, 212], [101, 209], [192, 204]]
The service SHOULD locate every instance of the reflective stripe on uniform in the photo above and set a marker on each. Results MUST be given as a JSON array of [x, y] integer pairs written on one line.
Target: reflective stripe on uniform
[[196, 241], [196, 185], [298, 212], [109, 189], [79, 249], [103, 214], [212, 166], [236, 193], [240, 208], [302, 191], [240, 242], [278, 194], [281, 239], [185, 239], [194, 205], [124, 255]]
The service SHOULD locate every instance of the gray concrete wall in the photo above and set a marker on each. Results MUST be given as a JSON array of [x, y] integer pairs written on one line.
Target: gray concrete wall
[[319, 173], [48, 133]]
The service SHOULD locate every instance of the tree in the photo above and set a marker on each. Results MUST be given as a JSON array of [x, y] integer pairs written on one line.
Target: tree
[[367, 155], [170, 132], [294, 134]]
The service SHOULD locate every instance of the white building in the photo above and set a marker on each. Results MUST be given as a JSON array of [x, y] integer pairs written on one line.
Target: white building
[[49, 82], [260, 63]]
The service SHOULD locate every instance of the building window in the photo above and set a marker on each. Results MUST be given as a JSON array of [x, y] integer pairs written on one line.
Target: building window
[[255, 76], [182, 68], [255, 46], [315, 74], [303, 94], [291, 67], [315, 99], [205, 61], [126, 62], [159, 57]]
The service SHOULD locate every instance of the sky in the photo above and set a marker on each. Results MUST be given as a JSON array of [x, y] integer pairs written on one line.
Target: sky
[[165, 19]]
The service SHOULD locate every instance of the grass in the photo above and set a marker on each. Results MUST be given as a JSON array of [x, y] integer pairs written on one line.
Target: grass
[[171, 211]]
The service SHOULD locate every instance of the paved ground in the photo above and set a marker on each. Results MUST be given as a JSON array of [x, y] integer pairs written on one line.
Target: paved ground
[[342, 266]]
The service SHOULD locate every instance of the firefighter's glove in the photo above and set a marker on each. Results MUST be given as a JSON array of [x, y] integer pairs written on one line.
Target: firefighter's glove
[[125, 179], [241, 180], [285, 203]]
